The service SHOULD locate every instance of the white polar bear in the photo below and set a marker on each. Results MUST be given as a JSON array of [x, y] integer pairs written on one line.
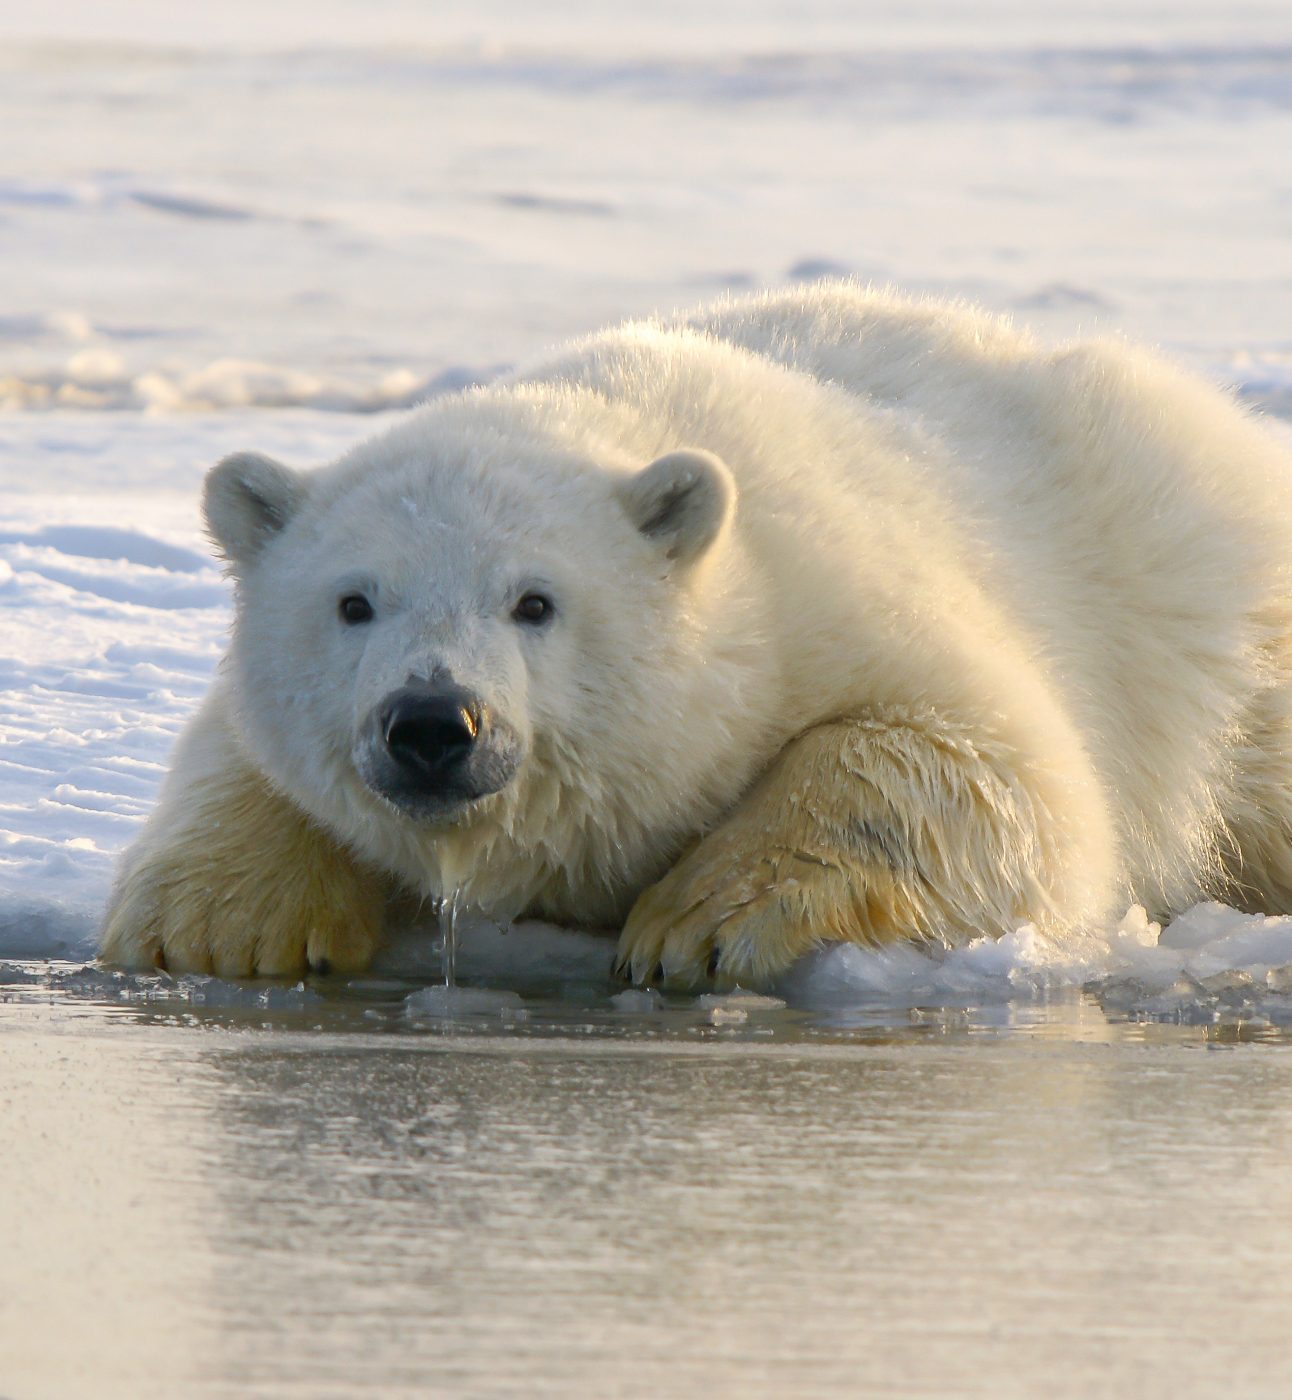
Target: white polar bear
[[820, 615]]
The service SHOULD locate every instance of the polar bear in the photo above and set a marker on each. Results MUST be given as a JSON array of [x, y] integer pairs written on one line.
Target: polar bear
[[818, 615]]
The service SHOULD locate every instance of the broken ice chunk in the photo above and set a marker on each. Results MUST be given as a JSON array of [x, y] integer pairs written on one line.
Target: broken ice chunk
[[451, 1002]]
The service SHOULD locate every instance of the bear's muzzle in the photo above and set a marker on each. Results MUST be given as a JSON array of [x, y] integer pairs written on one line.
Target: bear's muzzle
[[431, 747]]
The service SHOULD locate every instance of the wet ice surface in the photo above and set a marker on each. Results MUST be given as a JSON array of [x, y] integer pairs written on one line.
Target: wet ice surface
[[296, 1199], [1016, 1170], [1211, 968]]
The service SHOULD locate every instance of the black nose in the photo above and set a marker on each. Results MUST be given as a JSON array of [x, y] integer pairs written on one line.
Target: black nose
[[430, 735]]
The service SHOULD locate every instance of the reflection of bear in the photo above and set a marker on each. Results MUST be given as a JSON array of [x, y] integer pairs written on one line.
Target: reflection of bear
[[819, 616]]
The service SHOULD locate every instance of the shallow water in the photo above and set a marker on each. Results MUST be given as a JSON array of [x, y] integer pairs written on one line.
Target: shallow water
[[318, 1194]]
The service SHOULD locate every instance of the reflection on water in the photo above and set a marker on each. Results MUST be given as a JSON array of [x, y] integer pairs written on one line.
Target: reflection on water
[[1069, 1207]]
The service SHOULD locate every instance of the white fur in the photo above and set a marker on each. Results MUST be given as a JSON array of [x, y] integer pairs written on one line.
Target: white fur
[[1076, 558]]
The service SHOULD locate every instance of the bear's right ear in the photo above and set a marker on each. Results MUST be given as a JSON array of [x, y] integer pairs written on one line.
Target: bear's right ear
[[247, 500]]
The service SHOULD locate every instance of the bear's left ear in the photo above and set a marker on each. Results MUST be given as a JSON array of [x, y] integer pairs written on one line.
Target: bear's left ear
[[247, 499], [682, 501]]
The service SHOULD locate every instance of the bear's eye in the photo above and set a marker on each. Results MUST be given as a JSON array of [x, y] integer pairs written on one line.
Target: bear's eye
[[354, 607], [533, 608]]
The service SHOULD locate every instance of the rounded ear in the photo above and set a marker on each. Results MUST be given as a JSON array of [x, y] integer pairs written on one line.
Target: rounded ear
[[247, 499], [682, 501]]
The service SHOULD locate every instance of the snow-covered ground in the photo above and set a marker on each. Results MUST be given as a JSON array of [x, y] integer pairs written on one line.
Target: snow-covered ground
[[259, 226]]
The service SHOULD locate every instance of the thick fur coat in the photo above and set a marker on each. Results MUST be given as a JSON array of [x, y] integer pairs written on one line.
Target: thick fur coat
[[866, 619]]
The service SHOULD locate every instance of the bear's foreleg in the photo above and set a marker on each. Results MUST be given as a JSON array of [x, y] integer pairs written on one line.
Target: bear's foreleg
[[872, 831], [230, 877]]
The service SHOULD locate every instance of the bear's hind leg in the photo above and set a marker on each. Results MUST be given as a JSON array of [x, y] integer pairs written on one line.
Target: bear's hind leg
[[1256, 849], [230, 877], [870, 831], [1251, 864]]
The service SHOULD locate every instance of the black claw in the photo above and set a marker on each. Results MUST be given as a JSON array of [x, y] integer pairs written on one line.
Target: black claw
[[320, 965], [658, 974], [715, 958], [159, 960]]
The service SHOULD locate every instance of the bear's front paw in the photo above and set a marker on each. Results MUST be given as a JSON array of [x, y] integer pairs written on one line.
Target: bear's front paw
[[716, 917], [198, 916], [814, 852], [872, 830]]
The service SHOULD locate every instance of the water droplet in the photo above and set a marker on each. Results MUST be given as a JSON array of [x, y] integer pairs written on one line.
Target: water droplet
[[447, 912]]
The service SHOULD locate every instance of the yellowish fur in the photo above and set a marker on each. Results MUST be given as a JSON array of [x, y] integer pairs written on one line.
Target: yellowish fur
[[247, 886], [870, 831]]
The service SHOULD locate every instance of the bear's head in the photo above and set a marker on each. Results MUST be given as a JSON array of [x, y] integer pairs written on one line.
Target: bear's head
[[492, 654]]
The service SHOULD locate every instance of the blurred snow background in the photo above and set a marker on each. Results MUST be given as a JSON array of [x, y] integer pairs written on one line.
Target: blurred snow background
[[337, 204], [260, 224]]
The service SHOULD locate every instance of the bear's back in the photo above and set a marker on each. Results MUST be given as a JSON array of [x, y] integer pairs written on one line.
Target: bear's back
[[1133, 520]]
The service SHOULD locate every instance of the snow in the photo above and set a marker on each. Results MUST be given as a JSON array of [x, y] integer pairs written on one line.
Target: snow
[[343, 206], [274, 227]]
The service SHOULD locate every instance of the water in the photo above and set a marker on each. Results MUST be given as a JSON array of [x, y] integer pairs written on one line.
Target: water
[[447, 1000], [316, 1202], [448, 917]]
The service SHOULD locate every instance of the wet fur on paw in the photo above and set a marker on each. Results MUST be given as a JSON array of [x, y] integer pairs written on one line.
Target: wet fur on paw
[[868, 831]]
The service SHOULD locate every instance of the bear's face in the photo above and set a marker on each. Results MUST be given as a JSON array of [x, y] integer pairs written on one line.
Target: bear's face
[[433, 638]]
